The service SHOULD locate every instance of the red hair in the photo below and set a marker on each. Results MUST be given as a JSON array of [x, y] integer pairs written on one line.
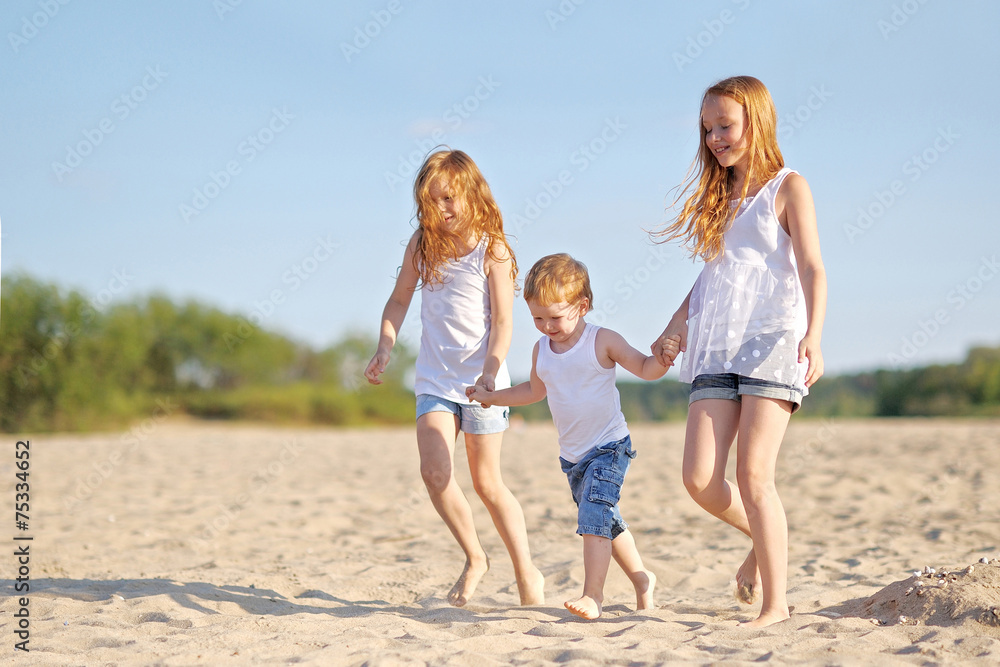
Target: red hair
[[557, 278], [481, 215], [708, 212]]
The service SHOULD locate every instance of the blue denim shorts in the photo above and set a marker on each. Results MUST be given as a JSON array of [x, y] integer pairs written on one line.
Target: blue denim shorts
[[472, 417], [732, 386], [596, 482]]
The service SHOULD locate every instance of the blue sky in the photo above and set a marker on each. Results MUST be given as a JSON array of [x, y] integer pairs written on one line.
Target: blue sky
[[258, 156]]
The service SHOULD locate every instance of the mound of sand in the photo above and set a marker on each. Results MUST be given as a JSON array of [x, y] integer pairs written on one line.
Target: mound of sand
[[942, 597]]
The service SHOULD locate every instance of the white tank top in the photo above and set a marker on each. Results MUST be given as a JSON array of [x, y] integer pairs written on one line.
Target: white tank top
[[455, 321], [747, 312], [583, 399]]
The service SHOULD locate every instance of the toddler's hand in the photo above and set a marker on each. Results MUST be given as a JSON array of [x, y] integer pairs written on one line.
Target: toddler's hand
[[670, 343], [477, 394], [671, 348]]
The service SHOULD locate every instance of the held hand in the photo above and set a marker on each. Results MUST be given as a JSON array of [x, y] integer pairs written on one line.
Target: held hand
[[377, 366], [671, 342], [478, 394], [809, 351], [487, 381], [671, 348]]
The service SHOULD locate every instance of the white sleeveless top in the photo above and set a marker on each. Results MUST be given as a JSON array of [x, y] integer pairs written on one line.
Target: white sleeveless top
[[583, 399], [747, 312], [455, 318]]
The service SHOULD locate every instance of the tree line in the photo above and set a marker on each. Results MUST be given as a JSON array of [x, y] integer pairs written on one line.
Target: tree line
[[72, 363]]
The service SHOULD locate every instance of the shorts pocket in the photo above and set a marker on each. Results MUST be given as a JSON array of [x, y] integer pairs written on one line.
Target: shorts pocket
[[607, 486], [621, 447]]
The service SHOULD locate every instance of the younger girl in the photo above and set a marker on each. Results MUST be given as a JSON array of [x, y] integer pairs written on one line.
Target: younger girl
[[466, 273], [750, 327]]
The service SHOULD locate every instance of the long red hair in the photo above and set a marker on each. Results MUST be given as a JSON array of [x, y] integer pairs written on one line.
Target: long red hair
[[481, 215], [708, 211]]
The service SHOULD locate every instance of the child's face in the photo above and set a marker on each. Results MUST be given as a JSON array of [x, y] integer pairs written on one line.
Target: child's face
[[448, 202], [561, 322], [724, 121]]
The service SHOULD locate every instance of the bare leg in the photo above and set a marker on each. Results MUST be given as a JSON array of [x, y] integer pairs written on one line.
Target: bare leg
[[484, 464], [712, 427], [596, 560], [436, 434], [762, 427], [627, 556]]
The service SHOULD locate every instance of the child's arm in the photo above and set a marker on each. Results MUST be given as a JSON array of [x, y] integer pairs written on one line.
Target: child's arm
[[394, 313], [800, 216], [501, 286], [612, 348], [531, 391], [676, 328]]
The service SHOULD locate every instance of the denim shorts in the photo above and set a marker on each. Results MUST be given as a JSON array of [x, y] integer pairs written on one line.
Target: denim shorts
[[596, 482], [732, 386], [472, 418]]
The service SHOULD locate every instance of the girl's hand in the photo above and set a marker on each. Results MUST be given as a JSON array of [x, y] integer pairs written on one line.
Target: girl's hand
[[487, 381], [478, 394], [666, 350], [377, 366], [809, 351]]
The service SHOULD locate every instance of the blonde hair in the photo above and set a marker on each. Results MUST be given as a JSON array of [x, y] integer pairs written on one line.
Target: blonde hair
[[437, 244], [708, 212], [557, 278]]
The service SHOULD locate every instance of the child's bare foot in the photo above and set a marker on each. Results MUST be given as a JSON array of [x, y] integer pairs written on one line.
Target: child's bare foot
[[748, 580], [532, 589], [770, 618], [467, 582], [644, 583], [585, 607]]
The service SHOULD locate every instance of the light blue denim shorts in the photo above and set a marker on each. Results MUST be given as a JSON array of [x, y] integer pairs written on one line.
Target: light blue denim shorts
[[472, 417], [596, 482], [732, 386]]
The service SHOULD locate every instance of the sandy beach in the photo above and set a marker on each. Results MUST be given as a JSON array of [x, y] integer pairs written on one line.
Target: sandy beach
[[188, 543]]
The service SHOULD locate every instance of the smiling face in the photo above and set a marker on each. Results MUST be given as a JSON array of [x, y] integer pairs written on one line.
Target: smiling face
[[562, 322], [448, 202], [724, 122]]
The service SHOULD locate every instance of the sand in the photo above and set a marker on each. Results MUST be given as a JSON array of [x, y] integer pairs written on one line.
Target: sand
[[185, 543]]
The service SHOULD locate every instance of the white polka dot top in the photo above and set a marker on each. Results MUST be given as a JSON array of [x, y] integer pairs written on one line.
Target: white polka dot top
[[747, 311]]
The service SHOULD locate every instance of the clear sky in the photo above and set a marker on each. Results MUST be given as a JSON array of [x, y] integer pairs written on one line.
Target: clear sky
[[258, 156]]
